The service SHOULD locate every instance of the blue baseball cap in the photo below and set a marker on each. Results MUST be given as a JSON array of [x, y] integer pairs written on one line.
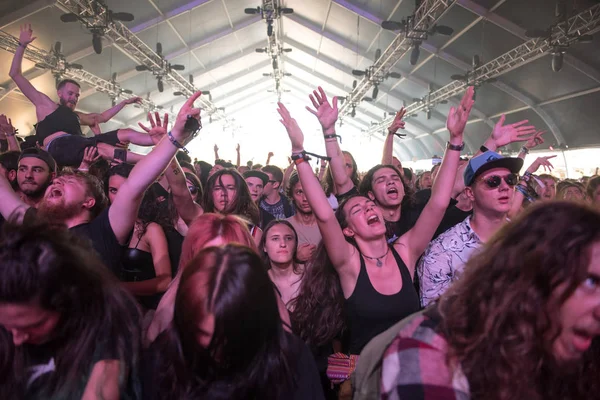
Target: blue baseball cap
[[489, 160]]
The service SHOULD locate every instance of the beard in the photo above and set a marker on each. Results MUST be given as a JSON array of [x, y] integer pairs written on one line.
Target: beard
[[58, 212]]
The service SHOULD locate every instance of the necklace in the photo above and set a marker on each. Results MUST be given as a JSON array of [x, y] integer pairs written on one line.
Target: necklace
[[379, 262]]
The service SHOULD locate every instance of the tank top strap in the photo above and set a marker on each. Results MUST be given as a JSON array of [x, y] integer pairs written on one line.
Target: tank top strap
[[401, 265]]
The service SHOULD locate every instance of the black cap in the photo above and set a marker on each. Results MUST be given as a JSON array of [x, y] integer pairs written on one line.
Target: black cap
[[41, 155], [254, 173]]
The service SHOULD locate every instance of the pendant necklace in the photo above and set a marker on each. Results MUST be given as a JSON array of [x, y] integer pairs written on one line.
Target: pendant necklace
[[379, 262]]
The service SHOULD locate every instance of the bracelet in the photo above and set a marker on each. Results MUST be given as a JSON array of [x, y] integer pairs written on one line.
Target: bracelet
[[175, 142], [525, 150], [527, 176], [450, 146], [332, 136], [483, 149]]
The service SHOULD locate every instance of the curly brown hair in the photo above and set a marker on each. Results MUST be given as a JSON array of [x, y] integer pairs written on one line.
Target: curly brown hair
[[500, 317]]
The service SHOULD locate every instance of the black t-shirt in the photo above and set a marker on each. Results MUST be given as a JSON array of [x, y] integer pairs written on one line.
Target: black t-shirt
[[265, 218], [101, 237], [103, 240], [408, 219], [452, 216]]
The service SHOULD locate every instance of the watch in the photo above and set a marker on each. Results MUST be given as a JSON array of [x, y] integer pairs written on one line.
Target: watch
[[450, 146]]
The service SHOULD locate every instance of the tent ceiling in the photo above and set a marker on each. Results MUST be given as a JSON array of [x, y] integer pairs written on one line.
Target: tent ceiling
[[216, 42]]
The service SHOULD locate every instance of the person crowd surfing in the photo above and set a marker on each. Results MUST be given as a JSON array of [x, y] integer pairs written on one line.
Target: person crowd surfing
[[161, 277]]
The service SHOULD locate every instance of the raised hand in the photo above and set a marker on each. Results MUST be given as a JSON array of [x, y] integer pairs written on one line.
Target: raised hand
[[157, 128], [26, 35], [90, 156], [6, 126], [397, 123], [271, 154], [237, 148], [458, 117], [179, 132], [325, 112], [293, 130], [131, 100], [517, 132], [535, 140], [216, 148], [541, 162]]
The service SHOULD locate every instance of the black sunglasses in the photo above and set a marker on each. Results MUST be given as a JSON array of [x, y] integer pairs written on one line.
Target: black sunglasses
[[494, 181]]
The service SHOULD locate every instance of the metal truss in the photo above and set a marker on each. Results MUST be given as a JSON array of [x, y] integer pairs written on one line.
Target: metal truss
[[130, 44], [60, 69], [428, 13], [584, 23]]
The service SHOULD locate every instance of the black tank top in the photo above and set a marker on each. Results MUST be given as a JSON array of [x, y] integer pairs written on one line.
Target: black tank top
[[138, 266], [62, 119], [369, 313]]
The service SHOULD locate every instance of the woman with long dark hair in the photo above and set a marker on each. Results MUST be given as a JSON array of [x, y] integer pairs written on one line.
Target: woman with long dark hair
[[375, 277], [522, 322], [67, 329], [227, 339], [279, 245], [146, 262], [227, 193]]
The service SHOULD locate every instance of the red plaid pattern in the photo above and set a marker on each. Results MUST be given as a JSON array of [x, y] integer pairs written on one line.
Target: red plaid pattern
[[414, 365]]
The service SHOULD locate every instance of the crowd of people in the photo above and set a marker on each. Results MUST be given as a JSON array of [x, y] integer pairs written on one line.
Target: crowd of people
[[125, 276]]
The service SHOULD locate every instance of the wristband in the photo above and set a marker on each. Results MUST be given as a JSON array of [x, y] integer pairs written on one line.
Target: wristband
[[450, 146], [333, 136], [175, 142], [483, 149], [526, 176], [525, 150]]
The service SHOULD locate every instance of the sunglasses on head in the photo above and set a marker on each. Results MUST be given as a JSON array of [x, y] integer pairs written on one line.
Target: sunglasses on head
[[494, 181]]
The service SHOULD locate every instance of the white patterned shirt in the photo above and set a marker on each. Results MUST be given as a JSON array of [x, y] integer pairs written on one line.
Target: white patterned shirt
[[444, 260]]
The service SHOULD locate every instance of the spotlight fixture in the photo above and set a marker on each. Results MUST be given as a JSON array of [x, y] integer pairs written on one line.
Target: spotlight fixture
[[559, 47], [165, 70], [98, 22], [415, 53]]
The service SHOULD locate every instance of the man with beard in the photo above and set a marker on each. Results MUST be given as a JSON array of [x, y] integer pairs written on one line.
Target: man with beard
[[304, 221], [35, 172], [77, 200], [490, 181], [256, 181], [59, 125]]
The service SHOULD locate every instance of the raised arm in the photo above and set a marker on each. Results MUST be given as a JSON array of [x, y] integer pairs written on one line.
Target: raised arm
[[238, 158], [339, 250], [216, 149], [269, 156], [100, 118], [327, 116], [124, 209], [11, 205], [415, 240], [503, 135], [521, 188], [38, 98], [8, 130], [388, 146]]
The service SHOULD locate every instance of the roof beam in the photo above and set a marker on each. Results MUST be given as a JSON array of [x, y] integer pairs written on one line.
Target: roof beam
[[489, 15], [409, 75], [522, 97], [219, 35], [142, 27]]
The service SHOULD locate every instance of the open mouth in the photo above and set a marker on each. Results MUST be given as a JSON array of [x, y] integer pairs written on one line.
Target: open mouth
[[582, 339], [55, 193], [373, 219]]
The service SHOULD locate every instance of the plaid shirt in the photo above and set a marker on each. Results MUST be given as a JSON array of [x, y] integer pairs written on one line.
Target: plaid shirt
[[414, 365]]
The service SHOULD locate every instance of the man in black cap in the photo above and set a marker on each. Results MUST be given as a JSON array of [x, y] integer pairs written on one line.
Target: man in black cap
[[35, 172], [490, 181], [256, 181]]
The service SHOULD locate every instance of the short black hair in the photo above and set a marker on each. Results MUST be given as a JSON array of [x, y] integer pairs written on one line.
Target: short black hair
[[62, 83], [10, 160]]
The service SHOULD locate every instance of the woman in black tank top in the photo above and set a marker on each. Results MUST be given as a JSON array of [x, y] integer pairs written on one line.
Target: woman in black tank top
[[374, 277]]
